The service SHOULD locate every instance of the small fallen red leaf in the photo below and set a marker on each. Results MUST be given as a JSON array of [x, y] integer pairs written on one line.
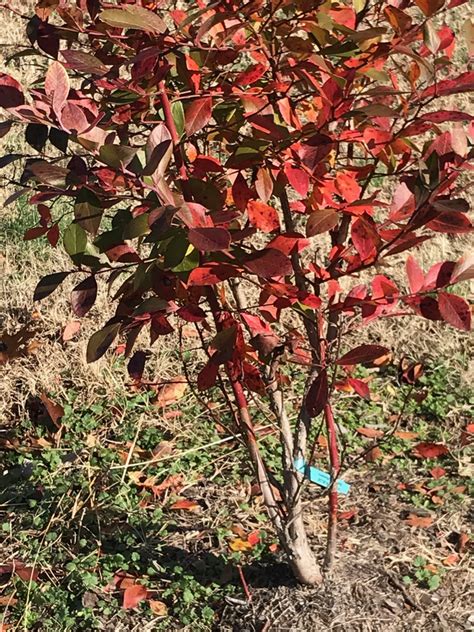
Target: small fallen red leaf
[[373, 455], [133, 595], [437, 472], [371, 433], [347, 515], [430, 450], [451, 560], [462, 542], [422, 522], [467, 435], [253, 538], [185, 504], [273, 548]]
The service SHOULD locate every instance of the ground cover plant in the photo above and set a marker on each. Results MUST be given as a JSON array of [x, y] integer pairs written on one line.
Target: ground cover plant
[[244, 169]]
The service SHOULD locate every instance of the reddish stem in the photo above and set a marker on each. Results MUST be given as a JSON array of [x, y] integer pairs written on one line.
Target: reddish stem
[[333, 495], [243, 581]]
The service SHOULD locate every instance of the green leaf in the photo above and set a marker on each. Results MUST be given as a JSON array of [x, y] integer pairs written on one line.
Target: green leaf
[[74, 239], [88, 211], [133, 17], [177, 111], [48, 284], [101, 341], [137, 227], [117, 156]]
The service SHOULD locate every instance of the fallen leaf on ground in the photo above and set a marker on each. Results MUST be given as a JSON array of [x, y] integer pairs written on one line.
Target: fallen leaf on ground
[[437, 472], [186, 505], [427, 450], [422, 522], [405, 434], [158, 607], [467, 435], [373, 455], [71, 330], [253, 538], [8, 600], [15, 345], [451, 560], [347, 515], [172, 392], [371, 433], [239, 545], [55, 411], [133, 595]]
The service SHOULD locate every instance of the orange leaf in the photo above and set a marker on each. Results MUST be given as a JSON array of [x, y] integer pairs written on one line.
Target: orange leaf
[[185, 504], [422, 522], [405, 434], [373, 455], [172, 392], [158, 607], [133, 595], [451, 560], [371, 433], [239, 545]]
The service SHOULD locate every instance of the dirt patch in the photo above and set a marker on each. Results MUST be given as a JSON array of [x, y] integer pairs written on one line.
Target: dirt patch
[[366, 591]]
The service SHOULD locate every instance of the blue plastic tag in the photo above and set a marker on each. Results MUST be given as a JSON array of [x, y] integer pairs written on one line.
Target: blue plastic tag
[[319, 477]]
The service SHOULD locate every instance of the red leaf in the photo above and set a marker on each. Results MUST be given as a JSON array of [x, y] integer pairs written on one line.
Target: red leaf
[[360, 387], [263, 216], [464, 269], [211, 274], [462, 83], [26, 573], [298, 179], [53, 235], [288, 243], [34, 233], [426, 450], [269, 263], [83, 296], [185, 504], [317, 396], [365, 238], [209, 239], [437, 472], [416, 278], [133, 595], [241, 192], [136, 365], [57, 86], [361, 354], [207, 376], [250, 75], [455, 310], [11, 93], [191, 313], [347, 186], [253, 538], [451, 222], [321, 222], [198, 115]]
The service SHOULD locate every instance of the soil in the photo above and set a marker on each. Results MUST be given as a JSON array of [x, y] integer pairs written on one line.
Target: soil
[[365, 591]]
